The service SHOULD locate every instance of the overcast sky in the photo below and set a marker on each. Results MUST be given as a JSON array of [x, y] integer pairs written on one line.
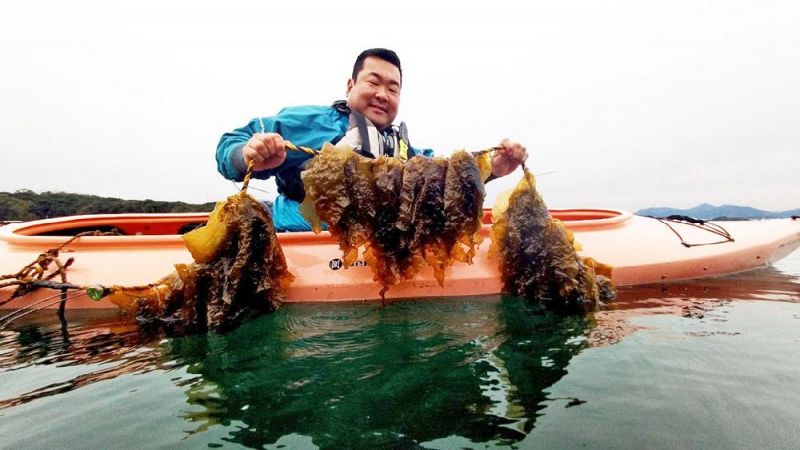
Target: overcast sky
[[622, 104]]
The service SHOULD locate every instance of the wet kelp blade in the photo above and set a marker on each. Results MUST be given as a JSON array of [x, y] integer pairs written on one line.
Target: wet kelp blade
[[207, 242], [538, 255], [239, 271], [404, 216], [463, 203], [339, 192]]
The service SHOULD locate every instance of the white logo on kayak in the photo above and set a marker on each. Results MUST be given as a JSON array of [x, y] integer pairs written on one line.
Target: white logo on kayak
[[336, 264]]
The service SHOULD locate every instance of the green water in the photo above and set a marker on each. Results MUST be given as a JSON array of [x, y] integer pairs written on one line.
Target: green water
[[707, 364]]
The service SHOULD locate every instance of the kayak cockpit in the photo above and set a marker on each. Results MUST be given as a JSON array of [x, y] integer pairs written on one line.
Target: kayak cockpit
[[120, 224], [170, 226], [581, 218]]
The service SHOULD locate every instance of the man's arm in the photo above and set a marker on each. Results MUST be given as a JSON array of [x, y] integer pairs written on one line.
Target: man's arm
[[307, 126], [230, 160]]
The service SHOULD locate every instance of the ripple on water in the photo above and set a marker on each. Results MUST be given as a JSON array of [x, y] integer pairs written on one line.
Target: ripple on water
[[42, 357]]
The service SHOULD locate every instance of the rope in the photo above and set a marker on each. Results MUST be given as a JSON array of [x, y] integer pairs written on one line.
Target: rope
[[22, 312], [288, 144], [312, 152], [37, 270], [35, 303], [250, 187], [247, 176], [487, 150], [697, 223], [38, 274], [296, 148]]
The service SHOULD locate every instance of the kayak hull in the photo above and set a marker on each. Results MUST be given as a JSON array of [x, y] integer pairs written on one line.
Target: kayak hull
[[641, 250]]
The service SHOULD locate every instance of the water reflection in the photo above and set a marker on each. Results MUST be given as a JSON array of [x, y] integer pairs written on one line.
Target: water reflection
[[697, 299], [99, 343], [433, 373], [357, 375]]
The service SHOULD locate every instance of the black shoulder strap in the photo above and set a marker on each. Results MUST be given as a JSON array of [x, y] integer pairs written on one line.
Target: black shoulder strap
[[360, 122], [404, 134], [341, 106]]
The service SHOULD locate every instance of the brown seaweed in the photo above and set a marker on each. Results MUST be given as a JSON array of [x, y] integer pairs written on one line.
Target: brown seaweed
[[421, 215], [239, 271], [387, 251], [339, 182], [405, 216], [463, 205], [538, 257]]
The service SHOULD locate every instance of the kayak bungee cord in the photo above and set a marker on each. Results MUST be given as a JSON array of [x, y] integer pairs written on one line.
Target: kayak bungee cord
[[697, 223]]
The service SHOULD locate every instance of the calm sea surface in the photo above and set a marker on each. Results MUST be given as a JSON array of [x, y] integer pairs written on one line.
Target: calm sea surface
[[705, 364]]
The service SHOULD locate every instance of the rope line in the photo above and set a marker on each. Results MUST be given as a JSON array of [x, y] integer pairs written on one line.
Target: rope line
[[296, 148], [247, 176], [38, 274], [29, 309], [697, 223]]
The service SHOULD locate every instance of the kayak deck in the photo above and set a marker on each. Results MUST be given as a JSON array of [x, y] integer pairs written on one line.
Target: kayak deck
[[641, 250]]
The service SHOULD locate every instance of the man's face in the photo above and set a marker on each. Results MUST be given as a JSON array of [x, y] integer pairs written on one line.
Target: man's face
[[376, 92]]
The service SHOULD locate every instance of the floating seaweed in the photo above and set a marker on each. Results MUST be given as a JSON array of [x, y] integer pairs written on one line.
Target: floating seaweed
[[238, 271], [538, 255], [426, 211]]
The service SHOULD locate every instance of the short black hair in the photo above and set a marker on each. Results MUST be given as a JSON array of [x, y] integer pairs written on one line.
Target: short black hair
[[380, 53]]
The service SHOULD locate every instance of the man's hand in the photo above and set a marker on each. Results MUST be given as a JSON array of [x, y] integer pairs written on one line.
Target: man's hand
[[266, 150], [508, 157]]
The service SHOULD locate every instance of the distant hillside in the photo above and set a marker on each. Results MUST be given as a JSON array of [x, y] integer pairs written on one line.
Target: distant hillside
[[28, 205], [708, 212]]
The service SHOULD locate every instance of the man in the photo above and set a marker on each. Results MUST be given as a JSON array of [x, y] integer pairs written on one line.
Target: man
[[364, 121]]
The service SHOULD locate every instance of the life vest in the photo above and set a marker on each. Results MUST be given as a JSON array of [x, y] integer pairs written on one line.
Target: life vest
[[365, 139]]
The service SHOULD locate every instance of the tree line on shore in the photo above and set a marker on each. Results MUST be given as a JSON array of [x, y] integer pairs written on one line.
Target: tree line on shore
[[24, 205], [28, 205]]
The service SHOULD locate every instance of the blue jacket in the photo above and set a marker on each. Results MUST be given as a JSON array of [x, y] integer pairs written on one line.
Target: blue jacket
[[306, 126]]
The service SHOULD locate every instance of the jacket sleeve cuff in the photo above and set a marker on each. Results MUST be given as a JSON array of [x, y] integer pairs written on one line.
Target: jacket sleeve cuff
[[237, 162]]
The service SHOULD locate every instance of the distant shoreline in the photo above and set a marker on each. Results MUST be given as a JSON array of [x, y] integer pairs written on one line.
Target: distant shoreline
[[24, 205], [706, 211]]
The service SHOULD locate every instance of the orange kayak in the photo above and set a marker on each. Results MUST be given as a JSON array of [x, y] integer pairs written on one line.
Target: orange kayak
[[641, 250]]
